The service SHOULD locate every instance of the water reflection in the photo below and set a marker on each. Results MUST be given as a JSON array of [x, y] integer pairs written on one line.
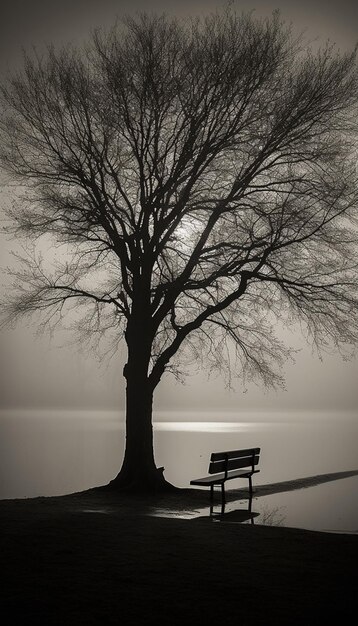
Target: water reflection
[[306, 503], [269, 516], [237, 516], [273, 516], [329, 507]]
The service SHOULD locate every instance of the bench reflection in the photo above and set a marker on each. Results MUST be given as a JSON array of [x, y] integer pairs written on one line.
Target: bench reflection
[[238, 515]]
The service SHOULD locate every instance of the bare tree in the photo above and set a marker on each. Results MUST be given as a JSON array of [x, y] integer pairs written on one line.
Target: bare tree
[[201, 181]]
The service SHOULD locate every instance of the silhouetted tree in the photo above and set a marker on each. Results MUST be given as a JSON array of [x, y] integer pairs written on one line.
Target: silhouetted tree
[[201, 180]]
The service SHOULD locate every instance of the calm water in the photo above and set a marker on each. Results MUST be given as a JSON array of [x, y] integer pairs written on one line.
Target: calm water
[[329, 507], [55, 453]]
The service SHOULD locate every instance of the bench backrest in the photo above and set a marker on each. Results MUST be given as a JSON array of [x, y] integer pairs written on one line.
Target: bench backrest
[[233, 459]]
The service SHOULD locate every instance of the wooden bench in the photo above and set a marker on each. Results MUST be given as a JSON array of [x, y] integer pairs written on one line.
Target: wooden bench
[[225, 466]]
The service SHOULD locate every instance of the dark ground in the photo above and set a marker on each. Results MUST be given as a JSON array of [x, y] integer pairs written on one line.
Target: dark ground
[[101, 558]]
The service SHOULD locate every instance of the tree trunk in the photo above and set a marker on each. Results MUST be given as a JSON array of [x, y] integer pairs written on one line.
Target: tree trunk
[[139, 472]]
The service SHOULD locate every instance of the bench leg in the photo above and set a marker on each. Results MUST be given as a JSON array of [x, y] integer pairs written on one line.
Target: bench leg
[[211, 493], [223, 494], [250, 485], [250, 509]]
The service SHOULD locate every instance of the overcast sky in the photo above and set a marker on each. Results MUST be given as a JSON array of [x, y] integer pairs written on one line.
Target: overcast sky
[[38, 373]]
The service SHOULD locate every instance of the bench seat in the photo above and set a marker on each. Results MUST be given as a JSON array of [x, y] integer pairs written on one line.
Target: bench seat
[[220, 478]]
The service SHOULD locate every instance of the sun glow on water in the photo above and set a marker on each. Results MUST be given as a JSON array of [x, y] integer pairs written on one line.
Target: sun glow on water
[[209, 427]]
